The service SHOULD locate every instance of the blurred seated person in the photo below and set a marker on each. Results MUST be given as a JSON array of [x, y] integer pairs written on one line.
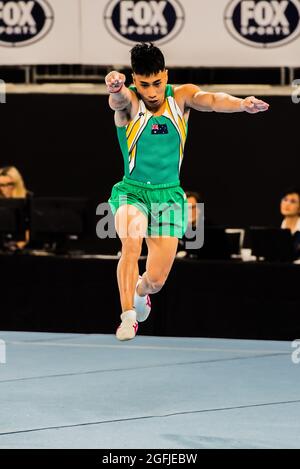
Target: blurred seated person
[[290, 210], [194, 218], [12, 184], [12, 187]]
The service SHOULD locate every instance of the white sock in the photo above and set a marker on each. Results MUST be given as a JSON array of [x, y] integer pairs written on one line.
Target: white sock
[[129, 314]]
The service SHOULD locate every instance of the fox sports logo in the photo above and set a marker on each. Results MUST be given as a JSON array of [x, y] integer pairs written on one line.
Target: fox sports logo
[[23, 22], [131, 21], [261, 23]]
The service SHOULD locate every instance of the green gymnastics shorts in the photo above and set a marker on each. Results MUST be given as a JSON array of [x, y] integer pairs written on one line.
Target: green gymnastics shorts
[[165, 205]]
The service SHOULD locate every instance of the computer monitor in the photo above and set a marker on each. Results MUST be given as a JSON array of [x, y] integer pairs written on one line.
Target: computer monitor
[[58, 222], [271, 244], [13, 220], [216, 245], [235, 238]]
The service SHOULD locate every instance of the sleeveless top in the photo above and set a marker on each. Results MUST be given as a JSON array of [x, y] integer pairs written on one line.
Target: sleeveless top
[[153, 146]]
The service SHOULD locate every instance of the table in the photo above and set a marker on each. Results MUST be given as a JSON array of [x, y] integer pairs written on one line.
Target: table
[[230, 299]]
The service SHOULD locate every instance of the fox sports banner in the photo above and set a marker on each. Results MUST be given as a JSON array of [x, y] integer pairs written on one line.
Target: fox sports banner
[[190, 32]]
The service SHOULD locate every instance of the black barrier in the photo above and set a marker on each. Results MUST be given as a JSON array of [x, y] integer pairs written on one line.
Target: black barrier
[[231, 299]]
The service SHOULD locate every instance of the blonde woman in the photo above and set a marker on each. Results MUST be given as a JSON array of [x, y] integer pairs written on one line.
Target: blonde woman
[[12, 187], [12, 184]]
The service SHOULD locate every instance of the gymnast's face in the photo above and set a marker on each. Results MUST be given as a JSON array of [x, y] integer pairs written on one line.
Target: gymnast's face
[[290, 205], [152, 89]]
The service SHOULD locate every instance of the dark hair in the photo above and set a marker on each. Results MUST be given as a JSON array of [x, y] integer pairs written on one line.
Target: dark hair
[[147, 59], [291, 190], [196, 195]]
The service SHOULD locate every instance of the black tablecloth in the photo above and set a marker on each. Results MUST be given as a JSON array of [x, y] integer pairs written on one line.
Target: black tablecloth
[[200, 298]]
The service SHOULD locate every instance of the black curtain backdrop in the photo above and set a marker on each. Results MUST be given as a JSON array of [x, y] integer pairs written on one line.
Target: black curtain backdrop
[[66, 145]]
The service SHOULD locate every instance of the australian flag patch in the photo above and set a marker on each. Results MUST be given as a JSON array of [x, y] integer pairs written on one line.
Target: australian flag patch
[[159, 129]]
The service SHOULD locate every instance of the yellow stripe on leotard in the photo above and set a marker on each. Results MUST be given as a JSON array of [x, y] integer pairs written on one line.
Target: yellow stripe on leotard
[[173, 114]]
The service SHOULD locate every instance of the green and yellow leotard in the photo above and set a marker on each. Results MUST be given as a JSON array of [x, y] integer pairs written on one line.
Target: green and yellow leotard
[[154, 158]]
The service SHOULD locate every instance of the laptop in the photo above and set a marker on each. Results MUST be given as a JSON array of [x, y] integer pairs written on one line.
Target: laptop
[[271, 244]]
